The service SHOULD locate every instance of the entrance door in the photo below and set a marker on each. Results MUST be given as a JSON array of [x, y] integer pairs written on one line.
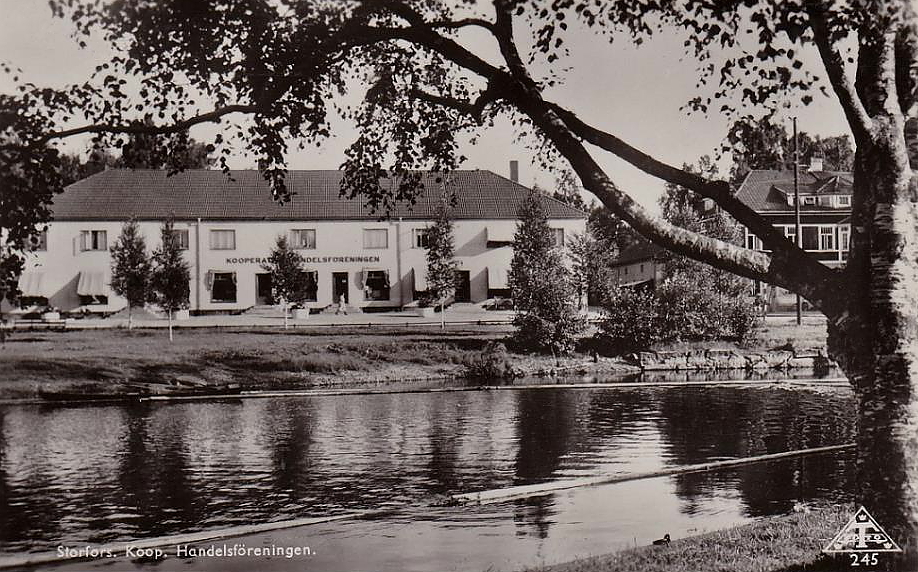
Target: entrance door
[[463, 286], [339, 286], [262, 289]]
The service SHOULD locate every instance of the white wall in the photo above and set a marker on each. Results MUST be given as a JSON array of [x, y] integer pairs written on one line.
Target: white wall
[[63, 261]]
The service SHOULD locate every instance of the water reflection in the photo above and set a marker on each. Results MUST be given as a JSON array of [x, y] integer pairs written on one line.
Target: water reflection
[[96, 474]]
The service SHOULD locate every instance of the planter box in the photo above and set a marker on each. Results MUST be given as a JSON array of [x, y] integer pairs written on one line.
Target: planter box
[[51, 316], [181, 315], [300, 314]]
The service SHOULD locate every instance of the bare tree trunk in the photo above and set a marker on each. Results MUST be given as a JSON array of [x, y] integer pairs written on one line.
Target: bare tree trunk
[[169, 313], [286, 324], [130, 317], [442, 316]]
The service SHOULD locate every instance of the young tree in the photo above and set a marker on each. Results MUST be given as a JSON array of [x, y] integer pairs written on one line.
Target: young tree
[[131, 268], [543, 294], [441, 261], [284, 63], [170, 277], [288, 280]]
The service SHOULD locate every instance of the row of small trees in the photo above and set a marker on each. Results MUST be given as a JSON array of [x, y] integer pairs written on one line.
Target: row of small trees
[[161, 279]]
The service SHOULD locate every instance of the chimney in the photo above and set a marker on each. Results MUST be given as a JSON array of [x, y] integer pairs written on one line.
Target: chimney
[[815, 164], [515, 171]]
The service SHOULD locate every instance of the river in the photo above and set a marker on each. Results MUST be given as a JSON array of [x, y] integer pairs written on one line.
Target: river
[[93, 474]]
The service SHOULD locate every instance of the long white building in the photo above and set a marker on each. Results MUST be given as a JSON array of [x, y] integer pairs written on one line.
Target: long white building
[[228, 224]]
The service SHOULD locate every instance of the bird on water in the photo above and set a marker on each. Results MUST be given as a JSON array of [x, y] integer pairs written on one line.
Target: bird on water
[[662, 541]]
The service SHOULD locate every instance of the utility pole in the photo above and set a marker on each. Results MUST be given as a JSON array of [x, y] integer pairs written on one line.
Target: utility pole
[[797, 235]]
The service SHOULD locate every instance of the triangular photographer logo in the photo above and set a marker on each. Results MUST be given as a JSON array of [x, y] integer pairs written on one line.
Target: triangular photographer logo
[[861, 534]]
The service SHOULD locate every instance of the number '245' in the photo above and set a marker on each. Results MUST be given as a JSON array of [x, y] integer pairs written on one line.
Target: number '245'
[[863, 559]]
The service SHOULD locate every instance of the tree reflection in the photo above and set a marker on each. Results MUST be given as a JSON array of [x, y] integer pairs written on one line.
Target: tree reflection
[[709, 424]]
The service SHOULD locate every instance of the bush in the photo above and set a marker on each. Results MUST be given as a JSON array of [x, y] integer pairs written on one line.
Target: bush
[[492, 362], [632, 320], [677, 311]]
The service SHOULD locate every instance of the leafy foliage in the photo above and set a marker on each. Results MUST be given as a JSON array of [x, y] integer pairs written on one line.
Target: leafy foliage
[[441, 261], [170, 277], [492, 362], [131, 266], [288, 279], [543, 294], [764, 144]]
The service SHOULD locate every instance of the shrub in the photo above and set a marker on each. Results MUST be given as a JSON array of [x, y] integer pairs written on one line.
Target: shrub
[[632, 320], [493, 362]]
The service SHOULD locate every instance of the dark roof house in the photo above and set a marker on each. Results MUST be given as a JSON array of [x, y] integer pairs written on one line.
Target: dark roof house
[[772, 191], [119, 194]]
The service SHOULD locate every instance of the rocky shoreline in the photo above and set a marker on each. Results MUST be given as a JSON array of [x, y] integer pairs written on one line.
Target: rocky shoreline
[[714, 359]]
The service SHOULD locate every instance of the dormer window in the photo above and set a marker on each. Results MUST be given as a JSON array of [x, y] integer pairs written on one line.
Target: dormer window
[[844, 200], [809, 201]]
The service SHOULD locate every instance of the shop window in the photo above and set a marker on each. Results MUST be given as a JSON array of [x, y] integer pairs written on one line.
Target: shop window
[[376, 285], [420, 238], [223, 240], [311, 288], [303, 238], [375, 238], [810, 237], [39, 242], [180, 238], [93, 240], [557, 236], [223, 287]]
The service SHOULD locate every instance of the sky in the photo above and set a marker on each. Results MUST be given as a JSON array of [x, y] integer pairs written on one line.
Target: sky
[[633, 92]]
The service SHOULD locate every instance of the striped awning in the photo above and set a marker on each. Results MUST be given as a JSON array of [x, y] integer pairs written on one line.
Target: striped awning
[[92, 284], [497, 278], [30, 284]]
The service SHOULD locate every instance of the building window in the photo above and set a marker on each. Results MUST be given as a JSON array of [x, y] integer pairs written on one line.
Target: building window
[[791, 233], [827, 238], [810, 236], [420, 238], [844, 237], [311, 291], [844, 201], [753, 242], [39, 242], [180, 238], [93, 240], [642, 268], [376, 285], [303, 238], [557, 237], [809, 200], [223, 240], [223, 287], [375, 238]]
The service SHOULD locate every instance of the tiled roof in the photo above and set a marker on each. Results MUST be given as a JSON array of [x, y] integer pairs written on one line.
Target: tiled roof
[[765, 189], [119, 194], [641, 250]]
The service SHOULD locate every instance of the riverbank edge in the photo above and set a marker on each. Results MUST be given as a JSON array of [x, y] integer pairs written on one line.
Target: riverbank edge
[[787, 543]]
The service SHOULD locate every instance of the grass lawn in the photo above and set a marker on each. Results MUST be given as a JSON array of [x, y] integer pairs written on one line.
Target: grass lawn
[[790, 543]]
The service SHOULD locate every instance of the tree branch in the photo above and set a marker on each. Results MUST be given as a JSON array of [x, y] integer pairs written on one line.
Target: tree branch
[[209, 117], [718, 191], [855, 112], [474, 109]]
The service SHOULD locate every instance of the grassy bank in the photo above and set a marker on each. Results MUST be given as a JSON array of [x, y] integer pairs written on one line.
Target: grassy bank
[[790, 543], [110, 360]]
